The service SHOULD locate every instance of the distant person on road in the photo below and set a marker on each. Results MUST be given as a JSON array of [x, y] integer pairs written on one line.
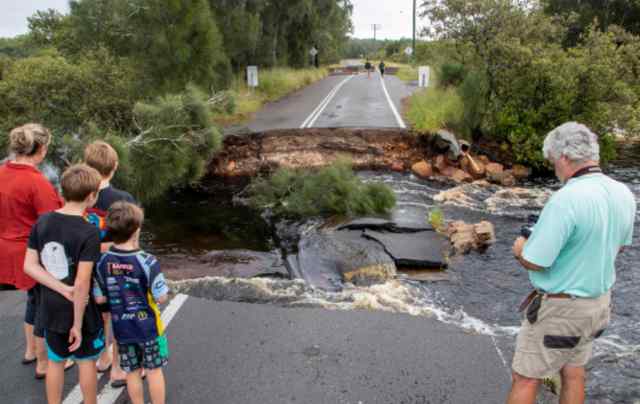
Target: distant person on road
[[368, 66], [101, 156], [381, 67], [25, 194], [63, 249], [130, 280], [570, 255]]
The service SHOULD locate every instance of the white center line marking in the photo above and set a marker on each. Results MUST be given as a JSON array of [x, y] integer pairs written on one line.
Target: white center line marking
[[393, 107], [109, 395], [311, 119]]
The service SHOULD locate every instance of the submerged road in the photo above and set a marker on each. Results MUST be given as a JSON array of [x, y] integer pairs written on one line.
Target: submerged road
[[236, 353], [339, 101]]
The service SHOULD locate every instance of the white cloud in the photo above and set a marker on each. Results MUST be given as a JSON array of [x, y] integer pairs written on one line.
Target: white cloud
[[395, 16], [13, 17]]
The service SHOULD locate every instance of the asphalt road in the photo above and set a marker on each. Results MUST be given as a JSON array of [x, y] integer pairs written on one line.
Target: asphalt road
[[236, 353], [359, 102]]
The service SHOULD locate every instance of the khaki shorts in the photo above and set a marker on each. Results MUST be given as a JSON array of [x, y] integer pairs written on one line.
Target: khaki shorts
[[562, 335]]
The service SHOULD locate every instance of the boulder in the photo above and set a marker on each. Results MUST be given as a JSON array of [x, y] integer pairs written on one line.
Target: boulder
[[397, 166], [484, 159], [383, 225], [466, 237], [520, 172], [440, 163], [416, 250], [473, 166], [508, 179], [461, 176], [422, 169], [493, 169]]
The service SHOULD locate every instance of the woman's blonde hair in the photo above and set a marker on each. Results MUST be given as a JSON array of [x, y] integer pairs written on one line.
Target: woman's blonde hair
[[27, 140]]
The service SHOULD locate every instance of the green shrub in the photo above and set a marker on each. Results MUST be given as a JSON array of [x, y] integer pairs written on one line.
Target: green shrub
[[436, 108], [452, 74], [332, 190], [473, 92]]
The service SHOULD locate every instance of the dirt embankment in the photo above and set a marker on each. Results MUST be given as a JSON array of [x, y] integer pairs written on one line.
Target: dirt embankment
[[246, 155]]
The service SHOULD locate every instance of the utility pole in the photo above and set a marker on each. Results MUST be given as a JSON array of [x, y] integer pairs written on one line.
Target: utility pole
[[413, 46], [375, 27]]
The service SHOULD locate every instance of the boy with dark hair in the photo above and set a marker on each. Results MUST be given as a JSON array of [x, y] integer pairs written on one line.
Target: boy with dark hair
[[131, 281], [104, 158], [61, 253]]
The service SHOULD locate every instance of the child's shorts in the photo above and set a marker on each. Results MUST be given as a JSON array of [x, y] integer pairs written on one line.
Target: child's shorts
[[58, 346], [148, 355]]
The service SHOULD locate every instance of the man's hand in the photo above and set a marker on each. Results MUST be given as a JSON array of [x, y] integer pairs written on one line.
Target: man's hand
[[75, 338], [518, 246]]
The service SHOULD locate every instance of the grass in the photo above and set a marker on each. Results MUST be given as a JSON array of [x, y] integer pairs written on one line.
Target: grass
[[435, 108], [273, 85]]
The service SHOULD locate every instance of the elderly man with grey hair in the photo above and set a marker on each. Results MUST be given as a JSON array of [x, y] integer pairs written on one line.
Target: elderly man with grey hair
[[570, 257]]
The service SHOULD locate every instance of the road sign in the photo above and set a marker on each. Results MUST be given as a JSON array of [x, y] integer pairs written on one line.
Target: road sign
[[423, 76], [252, 76], [313, 52], [408, 51]]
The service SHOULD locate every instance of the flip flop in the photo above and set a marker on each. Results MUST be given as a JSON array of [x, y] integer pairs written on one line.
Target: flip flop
[[26, 361], [116, 384], [69, 364], [105, 370], [40, 376]]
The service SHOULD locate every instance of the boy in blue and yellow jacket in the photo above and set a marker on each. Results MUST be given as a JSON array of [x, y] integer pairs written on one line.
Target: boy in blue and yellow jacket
[[131, 282]]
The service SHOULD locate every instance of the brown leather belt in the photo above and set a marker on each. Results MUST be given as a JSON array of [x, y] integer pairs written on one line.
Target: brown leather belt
[[559, 295]]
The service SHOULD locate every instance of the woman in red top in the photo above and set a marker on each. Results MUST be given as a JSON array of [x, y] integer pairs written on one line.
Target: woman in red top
[[25, 194]]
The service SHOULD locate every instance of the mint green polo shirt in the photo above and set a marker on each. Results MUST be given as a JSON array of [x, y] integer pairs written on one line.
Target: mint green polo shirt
[[579, 234]]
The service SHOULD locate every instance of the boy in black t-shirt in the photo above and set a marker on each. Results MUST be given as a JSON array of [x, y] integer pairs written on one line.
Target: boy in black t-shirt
[[61, 254], [101, 156]]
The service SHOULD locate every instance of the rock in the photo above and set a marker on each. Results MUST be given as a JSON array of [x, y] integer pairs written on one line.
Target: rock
[[422, 169], [231, 166], [416, 250], [473, 166], [520, 172], [493, 168], [233, 264], [461, 176], [398, 166], [484, 159], [466, 237], [440, 163], [508, 179]]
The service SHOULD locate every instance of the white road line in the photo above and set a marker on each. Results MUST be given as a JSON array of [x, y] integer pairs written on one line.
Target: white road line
[[311, 119], [109, 395], [393, 107]]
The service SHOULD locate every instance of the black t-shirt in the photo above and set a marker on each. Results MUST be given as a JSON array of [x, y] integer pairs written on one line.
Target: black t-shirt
[[110, 195], [98, 213], [62, 241]]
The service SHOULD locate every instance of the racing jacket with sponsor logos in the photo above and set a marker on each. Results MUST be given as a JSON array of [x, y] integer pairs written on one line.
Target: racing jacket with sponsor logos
[[132, 283]]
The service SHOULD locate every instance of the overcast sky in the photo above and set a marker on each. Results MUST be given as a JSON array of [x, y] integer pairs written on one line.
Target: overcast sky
[[393, 15]]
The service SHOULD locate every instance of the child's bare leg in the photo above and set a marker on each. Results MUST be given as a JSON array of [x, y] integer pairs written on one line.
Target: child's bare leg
[[105, 360], [116, 371], [155, 378], [88, 381], [30, 339], [135, 388], [55, 382], [41, 355]]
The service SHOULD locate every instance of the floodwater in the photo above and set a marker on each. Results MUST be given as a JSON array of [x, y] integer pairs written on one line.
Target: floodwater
[[483, 290]]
